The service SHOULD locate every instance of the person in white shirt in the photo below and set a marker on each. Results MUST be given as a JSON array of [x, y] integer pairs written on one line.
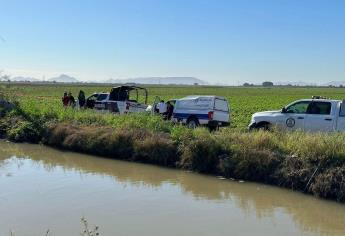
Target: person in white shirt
[[162, 107]]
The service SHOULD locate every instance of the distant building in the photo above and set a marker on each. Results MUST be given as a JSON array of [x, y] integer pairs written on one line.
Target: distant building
[[267, 84], [248, 85]]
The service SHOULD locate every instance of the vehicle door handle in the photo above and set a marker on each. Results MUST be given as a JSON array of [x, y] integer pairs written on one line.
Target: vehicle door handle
[[329, 119], [300, 117]]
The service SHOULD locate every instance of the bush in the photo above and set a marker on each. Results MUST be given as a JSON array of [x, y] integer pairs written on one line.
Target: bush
[[295, 172], [117, 144], [25, 131], [257, 140], [156, 148], [98, 140], [202, 153], [57, 133], [77, 141], [131, 144], [252, 164], [330, 184]]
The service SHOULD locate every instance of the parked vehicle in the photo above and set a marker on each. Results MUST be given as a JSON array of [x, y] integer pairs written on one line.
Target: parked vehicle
[[316, 114], [211, 111], [91, 100], [124, 99]]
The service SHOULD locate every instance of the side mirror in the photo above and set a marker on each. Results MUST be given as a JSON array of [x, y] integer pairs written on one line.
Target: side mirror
[[284, 110]]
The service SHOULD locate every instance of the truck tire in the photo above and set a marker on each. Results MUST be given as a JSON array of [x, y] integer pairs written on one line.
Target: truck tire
[[263, 126], [213, 128], [192, 122]]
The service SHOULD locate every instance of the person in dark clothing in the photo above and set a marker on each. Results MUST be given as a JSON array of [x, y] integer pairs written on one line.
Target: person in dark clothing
[[65, 99], [156, 108], [81, 98], [71, 100], [170, 110]]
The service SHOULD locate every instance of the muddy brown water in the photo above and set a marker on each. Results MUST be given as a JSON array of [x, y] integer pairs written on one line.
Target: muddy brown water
[[43, 188]]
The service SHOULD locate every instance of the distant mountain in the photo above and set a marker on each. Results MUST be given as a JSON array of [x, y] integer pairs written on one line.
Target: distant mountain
[[335, 83], [64, 79], [159, 80], [19, 79], [22, 78]]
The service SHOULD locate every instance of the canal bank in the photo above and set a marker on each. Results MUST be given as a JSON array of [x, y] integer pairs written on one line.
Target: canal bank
[[310, 163], [125, 198]]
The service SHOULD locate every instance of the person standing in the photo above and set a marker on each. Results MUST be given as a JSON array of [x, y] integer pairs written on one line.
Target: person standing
[[170, 110], [81, 98], [162, 107], [71, 100], [65, 99]]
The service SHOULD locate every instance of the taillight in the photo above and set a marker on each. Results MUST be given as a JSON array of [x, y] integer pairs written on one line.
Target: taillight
[[210, 115]]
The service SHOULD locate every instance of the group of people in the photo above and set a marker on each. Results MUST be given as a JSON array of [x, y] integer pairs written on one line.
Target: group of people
[[68, 99], [165, 109]]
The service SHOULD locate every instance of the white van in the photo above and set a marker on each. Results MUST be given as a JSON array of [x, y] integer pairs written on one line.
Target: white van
[[212, 111]]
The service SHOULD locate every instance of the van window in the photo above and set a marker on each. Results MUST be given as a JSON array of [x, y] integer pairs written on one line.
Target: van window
[[199, 103], [320, 108], [221, 105], [342, 109]]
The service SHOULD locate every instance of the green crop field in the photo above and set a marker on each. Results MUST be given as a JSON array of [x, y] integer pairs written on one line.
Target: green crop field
[[243, 101]]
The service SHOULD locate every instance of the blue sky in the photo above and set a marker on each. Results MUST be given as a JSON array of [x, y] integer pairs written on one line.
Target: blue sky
[[221, 41]]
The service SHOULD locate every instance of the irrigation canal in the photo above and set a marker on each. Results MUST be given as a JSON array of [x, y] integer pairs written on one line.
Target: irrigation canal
[[43, 188]]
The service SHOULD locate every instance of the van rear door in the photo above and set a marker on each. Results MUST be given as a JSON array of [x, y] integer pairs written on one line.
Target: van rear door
[[221, 110]]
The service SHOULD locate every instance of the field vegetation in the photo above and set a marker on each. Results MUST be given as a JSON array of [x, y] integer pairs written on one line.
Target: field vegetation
[[311, 163], [244, 101]]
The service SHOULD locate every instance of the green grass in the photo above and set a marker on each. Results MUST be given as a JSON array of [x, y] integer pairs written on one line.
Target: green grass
[[46, 99]]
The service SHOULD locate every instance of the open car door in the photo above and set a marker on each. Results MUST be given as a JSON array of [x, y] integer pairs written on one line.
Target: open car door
[[154, 105]]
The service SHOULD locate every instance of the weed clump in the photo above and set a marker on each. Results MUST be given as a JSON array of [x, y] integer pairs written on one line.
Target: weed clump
[[17, 129], [117, 144], [157, 149], [98, 140], [25, 131], [201, 153], [57, 133], [131, 144], [295, 172], [330, 184], [252, 164]]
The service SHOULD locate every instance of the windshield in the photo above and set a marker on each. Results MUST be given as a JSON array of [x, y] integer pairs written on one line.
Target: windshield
[[298, 107], [93, 97], [102, 96]]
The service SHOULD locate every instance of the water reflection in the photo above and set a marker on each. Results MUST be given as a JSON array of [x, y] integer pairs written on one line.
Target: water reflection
[[310, 214]]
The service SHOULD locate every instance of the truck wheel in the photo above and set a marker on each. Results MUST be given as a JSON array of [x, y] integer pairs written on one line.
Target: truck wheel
[[263, 126], [192, 123], [213, 128]]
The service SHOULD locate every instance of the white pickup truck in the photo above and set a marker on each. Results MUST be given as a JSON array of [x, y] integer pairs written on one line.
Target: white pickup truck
[[123, 99], [317, 114]]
